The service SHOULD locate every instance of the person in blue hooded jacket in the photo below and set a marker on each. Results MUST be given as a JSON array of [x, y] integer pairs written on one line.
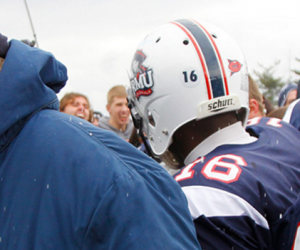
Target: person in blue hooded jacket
[[66, 184]]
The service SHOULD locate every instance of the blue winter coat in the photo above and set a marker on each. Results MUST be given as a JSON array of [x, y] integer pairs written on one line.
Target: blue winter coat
[[66, 184]]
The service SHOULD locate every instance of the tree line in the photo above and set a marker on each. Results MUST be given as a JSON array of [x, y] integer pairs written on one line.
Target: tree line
[[270, 85]]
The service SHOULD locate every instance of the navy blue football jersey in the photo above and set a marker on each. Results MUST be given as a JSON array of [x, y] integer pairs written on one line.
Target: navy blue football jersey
[[292, 114], [247, 196]]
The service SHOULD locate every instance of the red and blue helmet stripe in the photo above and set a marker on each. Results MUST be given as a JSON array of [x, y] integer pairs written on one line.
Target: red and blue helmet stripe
[[209, 56]]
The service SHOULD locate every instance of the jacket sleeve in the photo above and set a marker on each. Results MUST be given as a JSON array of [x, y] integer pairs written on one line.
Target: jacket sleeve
[[133, 214]]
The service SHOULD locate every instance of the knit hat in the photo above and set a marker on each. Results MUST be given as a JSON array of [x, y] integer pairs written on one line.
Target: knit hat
[[284, 93]]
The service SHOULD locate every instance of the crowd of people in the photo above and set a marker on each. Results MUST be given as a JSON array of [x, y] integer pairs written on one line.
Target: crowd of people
[[72, 178], [77, 104]]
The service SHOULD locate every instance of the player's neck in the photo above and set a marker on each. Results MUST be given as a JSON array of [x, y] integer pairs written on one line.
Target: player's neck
[[193, 133]]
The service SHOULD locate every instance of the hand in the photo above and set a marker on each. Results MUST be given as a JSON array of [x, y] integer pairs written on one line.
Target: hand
[[3, 46]]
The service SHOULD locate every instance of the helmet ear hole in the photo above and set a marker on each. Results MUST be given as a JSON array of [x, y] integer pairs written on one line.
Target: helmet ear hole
[[157, 40], [214, 36], [151, 119]]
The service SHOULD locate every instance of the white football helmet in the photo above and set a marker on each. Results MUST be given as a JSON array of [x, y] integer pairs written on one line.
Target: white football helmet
[[182, 71]]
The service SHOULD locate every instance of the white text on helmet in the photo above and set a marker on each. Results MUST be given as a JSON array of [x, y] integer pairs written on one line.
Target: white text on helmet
[[144, 81], [220, 104]]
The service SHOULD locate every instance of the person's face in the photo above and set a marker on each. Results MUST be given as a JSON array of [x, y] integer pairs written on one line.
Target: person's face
[[79, 107], [118, 111], [291, 97]]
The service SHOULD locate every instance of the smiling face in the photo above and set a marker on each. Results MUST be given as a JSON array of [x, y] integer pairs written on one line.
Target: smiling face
[[79, 107], [119, 112]]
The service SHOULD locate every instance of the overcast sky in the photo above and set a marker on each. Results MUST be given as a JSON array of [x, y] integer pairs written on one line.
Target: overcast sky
[[96, 39]]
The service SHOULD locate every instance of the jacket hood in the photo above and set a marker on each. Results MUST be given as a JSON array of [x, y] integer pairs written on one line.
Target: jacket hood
[[29, 81]]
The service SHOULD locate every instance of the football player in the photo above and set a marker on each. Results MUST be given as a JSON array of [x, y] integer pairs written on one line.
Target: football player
[[189, 95], [292, 114], [256, 100]]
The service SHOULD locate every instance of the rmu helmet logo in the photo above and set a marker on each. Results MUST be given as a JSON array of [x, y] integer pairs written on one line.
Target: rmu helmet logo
[[142, 82], [234, 66]]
